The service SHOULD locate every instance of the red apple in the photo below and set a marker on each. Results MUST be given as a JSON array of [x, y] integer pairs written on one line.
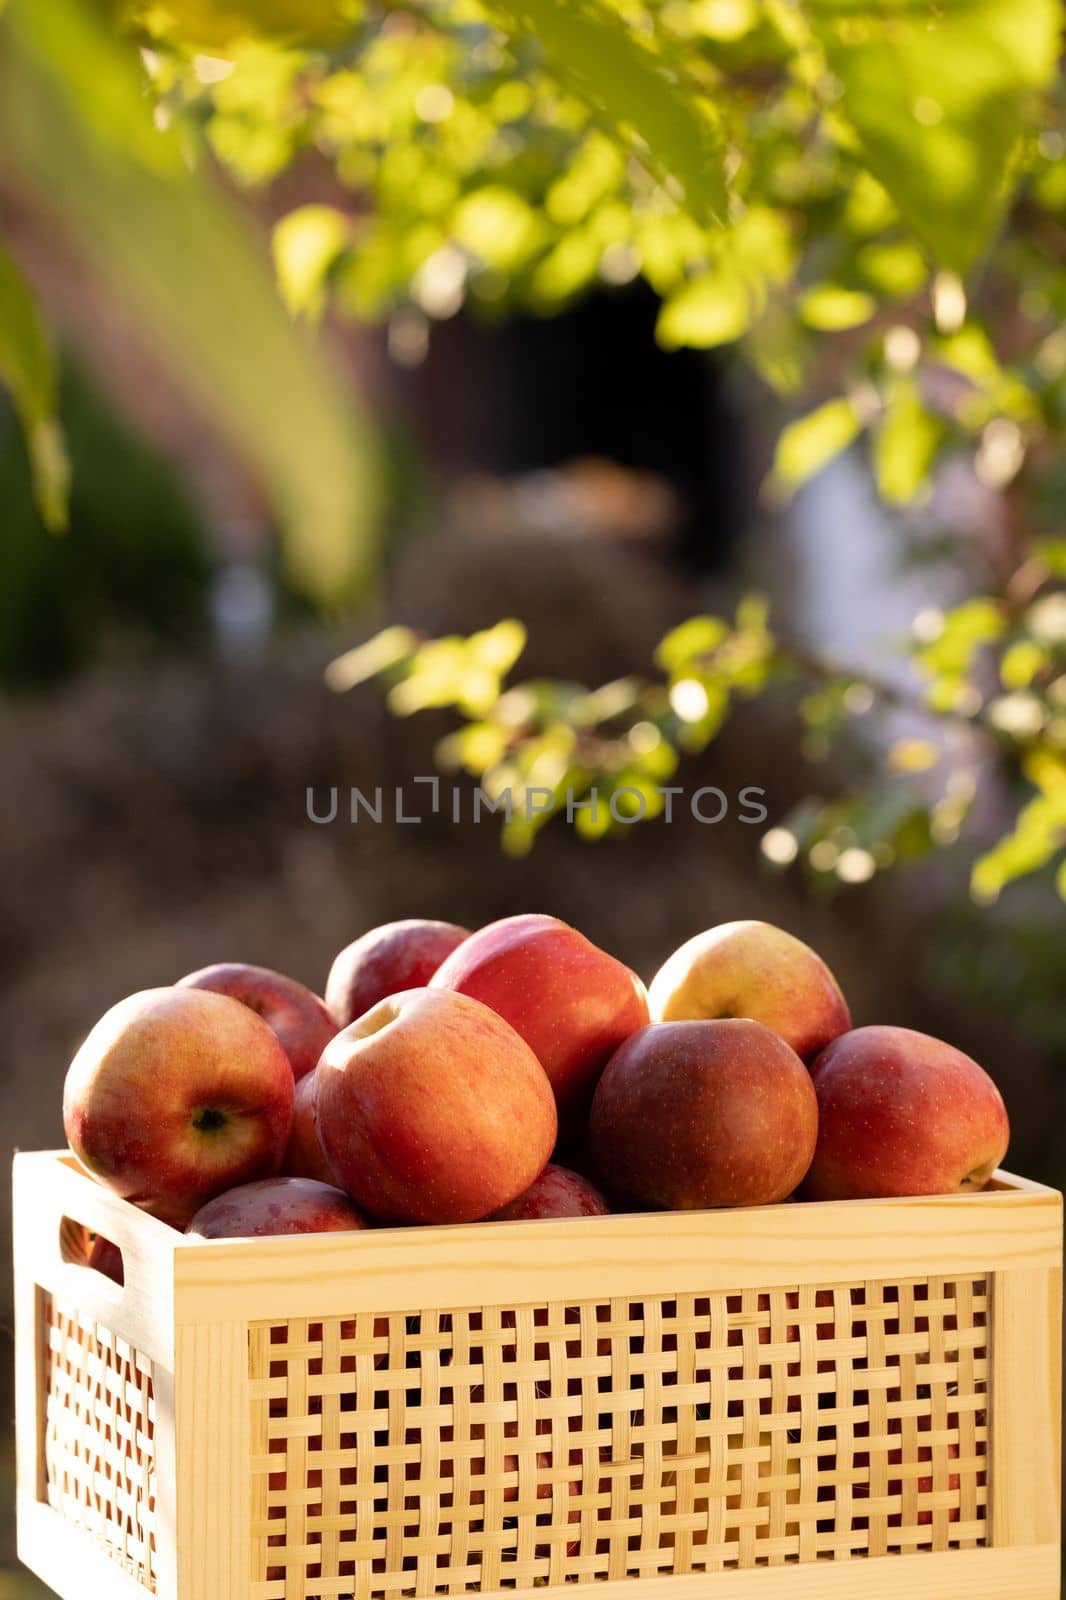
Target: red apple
[[297, 1016], [557, 1192], [305, 1157], [572, 1003], [902, 1113], [175, 1095], [106, 1257], [387, 960], [430, 1108], [752, 969], [697, 1114], [277, 1205]]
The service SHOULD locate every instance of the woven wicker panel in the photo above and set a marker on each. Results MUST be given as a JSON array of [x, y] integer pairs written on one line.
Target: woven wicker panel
[[502, 1448], [98, 1422]]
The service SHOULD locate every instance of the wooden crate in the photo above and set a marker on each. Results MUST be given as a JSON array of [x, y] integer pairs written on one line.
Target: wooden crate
[[798, 1402]]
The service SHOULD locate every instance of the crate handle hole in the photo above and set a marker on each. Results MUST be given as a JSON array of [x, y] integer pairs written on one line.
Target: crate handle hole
[[80, 1247]]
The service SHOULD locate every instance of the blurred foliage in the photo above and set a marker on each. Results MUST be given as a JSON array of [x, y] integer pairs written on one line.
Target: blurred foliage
[[863, 197], [134, 564], [989, 682], [28, 370], [81, 143]]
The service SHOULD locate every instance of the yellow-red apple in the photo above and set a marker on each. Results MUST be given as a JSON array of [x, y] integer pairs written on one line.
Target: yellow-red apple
[[276, 1206], [430, 1108], [903, 1113], [572, 1003], [297, 1016], [699, 1114], [305, 1157], [175, 1095], [754, 970], [557, 1192], [387, 960]]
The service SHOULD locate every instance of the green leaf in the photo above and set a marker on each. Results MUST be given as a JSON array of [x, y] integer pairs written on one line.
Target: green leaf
[[499, 226], [498, 647], [1052, 552], [831, 309], [905, 444], [1037, 838], [390, 648], [189, 270], [306, 243], [713, 310], [895, 269], [1021, 663], [607, 65], [808, 445], [683, 644], [27, 367], [936, 96]]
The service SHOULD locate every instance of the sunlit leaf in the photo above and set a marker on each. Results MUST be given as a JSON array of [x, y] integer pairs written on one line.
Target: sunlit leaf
[[1021, 663], [386, 649], [306, 243], [905, 444], [936, 95], [497, 225], [895, 269], [696, 637], [613, 70], [724, 19], [27, 369], [809, 444], [914, 755], [1036, 839], [713, 310], [220, 25], [831, 309], [500, 646], [475, 748], [1052, 552]]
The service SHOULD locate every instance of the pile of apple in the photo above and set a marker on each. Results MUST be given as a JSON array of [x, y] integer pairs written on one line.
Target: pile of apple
[[516, 1072]]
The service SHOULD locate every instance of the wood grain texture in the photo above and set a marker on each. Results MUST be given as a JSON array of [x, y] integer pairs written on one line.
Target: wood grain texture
[[1027, 1406], [403, 1269], [212, 1452]]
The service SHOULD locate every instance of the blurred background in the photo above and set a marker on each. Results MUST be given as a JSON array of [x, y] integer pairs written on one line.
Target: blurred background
[[321, 350]]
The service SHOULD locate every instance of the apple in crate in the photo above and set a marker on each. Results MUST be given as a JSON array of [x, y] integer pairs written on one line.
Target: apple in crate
[[698, 1114], [305, 1157], [902, 1113], [277, 1206], [432, 1109], [387, 960], [557, 1192], [752, 969], [297, 1016], [571, 1002], [175, 1095]]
